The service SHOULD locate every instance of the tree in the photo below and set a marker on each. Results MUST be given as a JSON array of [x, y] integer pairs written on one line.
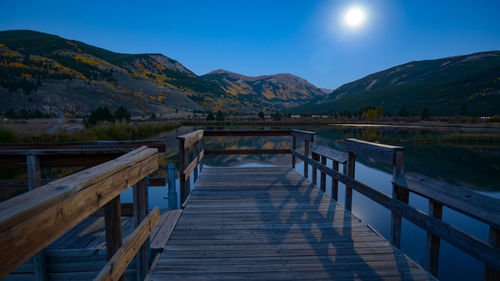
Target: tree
[[219, 116], [403, 112], [276, 116], [463, 111], [379, 112], [210, 116], [347, 114], [122, 114], [261, 115], [98, 115], [425, 115]]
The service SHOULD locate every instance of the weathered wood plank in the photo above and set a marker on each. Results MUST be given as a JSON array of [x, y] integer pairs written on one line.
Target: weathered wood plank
[[380, 152], [247, 151], [192, 166], [330, 153], [247, 133], [189, 139], [62, 204], [122, 258]]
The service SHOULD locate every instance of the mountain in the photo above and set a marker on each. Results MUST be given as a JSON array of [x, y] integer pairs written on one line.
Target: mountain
[[445, 86], [49, 73], [268, 92]]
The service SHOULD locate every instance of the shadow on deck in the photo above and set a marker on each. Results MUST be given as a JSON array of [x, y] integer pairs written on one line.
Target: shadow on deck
[[273, 224]]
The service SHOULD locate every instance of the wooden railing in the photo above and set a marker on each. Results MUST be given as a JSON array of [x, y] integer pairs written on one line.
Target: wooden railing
[[31, 221], [439, 194], [34, 156], [191, 143]]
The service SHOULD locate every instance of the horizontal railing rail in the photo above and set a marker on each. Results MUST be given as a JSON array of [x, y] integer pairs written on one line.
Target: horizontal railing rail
[[31, 221], [478, 206], [190, 144]]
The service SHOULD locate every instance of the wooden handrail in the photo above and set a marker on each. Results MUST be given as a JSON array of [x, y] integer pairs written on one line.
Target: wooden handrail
[[381, 152], [44, 214], [116, 266], [190, 168], [473, 204], [330, 153], [248, 151], [248, 133], [464, 241], [305, 135], [190, 138]]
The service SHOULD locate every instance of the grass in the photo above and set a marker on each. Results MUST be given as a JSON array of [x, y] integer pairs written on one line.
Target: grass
[[117, 131]]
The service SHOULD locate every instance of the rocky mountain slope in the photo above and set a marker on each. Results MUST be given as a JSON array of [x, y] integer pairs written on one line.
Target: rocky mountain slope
[[272, 92], [46, 72], [444, 86]]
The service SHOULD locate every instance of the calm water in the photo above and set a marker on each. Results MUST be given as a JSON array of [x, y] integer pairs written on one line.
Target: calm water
[[429, 152]]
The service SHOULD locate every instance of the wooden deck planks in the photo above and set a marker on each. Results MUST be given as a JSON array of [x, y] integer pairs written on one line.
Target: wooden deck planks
[[273, 224]]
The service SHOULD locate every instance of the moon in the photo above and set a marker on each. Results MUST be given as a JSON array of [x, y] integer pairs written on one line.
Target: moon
[[354, 17]]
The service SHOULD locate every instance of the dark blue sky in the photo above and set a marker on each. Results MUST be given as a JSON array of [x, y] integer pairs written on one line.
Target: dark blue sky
[[305, 38]]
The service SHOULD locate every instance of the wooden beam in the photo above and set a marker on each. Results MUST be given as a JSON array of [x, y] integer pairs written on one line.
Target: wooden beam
[[400, 194], [182, 176], [112, 225], [335, 183], [294, 147], [126, 210], [473, 204], [490, 274], [306, 153], [305, 135], [330, 153], [28, 204], [351, 165], [322, 181], [433, 242], [192, 166], [122, 258], [55, 208], [191, 138], [315, 170], [248, 151], [380, 152], [456, 237], [140, 211], [34, 181], [247, 133]]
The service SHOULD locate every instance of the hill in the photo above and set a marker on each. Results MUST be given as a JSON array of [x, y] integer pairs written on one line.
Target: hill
[[49, 73], [270, 92], [445, 86]]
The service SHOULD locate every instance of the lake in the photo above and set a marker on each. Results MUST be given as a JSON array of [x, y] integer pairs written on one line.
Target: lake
[[470, 158]]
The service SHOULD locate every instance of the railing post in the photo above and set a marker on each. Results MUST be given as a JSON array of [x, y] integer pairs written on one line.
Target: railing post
[[322, 181], [182, 167], [34, 181], [172, 193], [196, 149], [491, 274], [200, 148], [294, 147], [335, 183], [306, 153], [433, 241], [140, 212], [112, 224], [398, 193], [351, 165], [314, 156]]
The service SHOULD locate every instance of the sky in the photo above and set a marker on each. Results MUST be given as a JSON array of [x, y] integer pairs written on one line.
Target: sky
[[306, 38]]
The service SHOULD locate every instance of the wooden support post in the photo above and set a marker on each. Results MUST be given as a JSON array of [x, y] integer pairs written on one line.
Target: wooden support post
[[294, 147], [335, 183], [113, 230], [34, 181], [314, 156], [140, 211], [196, 150], [491, 274], [200, 148], [322, 181], [306, 153], [398, 193], [351, 165], [433, 241], [182, 167], [172, 192]]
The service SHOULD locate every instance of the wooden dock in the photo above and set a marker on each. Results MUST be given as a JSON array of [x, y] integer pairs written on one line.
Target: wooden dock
[[273, 224]]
